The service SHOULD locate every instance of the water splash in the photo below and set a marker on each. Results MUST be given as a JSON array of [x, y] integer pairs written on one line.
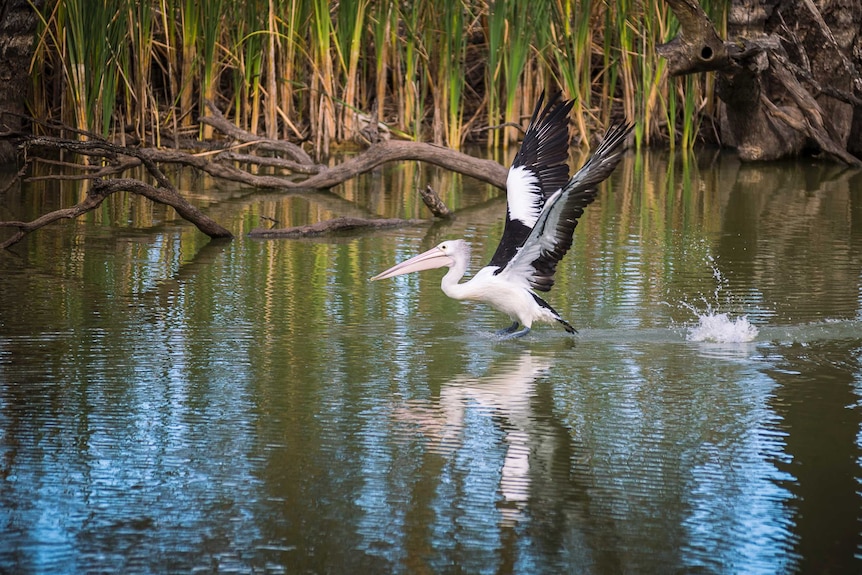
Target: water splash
[[720, 328], [715, 326]]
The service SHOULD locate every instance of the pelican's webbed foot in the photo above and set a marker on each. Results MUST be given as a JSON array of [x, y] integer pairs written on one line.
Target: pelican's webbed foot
[[508, 330], [512, 334]]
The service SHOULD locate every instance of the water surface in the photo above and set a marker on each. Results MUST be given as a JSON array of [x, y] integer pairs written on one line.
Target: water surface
[[171, 404]]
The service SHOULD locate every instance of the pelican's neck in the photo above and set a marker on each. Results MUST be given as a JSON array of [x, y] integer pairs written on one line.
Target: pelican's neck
[[449, 284]]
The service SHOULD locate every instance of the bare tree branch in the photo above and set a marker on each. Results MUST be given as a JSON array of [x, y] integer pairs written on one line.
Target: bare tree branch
[[333, 225], [217, 120], [101, 189], [299, 173]]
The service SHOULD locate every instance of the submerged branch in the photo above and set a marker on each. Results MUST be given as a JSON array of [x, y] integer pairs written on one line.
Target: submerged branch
[[330, 226], [293, 168], [101, 189]]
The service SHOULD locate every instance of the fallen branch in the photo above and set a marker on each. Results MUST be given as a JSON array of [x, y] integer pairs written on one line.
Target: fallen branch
[[269, 161], [487, 171], [299, 173], [330, 226], [377, 154], [217, 120], [320, 176], [101, 189]]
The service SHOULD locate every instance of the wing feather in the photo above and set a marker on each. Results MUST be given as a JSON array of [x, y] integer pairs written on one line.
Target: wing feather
[[551, 237], [540, 168]]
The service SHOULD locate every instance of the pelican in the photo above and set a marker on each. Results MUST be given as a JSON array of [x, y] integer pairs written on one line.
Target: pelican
[[543, 207]]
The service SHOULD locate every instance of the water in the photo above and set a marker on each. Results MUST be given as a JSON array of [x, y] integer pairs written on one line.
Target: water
[[169, 404]]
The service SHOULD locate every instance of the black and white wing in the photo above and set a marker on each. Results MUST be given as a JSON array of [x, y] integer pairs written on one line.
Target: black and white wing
[[540, 168], [551, 237]]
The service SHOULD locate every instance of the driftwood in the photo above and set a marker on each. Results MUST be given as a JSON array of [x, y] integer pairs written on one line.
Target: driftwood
[[163, 192], [771, 80], [321, 177], [330, 226], [434, 203], [101, 189], [298, 172], [217, 120]]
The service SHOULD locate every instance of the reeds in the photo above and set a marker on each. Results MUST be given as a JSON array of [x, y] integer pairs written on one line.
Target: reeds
[[315, 70]]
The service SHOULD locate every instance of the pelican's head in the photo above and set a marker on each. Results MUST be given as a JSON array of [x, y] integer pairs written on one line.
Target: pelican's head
[[446, 254]]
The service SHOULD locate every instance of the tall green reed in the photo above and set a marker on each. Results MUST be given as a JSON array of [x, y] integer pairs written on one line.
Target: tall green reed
[[451, 76], [139, 97], [211, 15], [411, 57], [496, 35], [523, 17], [351, 24], [570, 41], [189, 35], [90, 35], [322, 89], [382, 37], [305, 68]]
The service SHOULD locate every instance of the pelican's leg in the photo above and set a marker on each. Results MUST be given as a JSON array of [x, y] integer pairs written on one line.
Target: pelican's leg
[[515, 334], [508, 330]]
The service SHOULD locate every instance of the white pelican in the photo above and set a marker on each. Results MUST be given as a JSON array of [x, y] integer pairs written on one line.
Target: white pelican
[[543, 209]]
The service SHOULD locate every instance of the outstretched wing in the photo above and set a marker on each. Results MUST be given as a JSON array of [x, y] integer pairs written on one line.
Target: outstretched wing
[[539, 170], [551, 237]]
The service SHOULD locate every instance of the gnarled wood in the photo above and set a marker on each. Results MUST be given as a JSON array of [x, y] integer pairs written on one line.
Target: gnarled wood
[[299, 173], [331, 226], [435, 203], [697, 47], [771, 80], [101, 189]]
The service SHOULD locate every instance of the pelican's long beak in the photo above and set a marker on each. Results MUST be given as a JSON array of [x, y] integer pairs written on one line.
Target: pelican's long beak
[[433, 258]]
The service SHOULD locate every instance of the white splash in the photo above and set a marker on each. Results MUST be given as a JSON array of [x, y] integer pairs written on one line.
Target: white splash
[[720, 328]]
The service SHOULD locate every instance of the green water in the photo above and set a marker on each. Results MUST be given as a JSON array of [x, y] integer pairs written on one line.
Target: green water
[[173, 405]]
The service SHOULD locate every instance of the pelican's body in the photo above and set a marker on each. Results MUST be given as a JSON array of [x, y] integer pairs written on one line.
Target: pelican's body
[[543, 209]]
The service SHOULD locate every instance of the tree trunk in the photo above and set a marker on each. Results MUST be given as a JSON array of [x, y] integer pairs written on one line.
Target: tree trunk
[[17, 28], [789, 76]]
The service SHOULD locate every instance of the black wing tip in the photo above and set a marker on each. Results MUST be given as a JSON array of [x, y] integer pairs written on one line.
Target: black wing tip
[[603, 160], [613, 144], [616, 135], [556, 111], [553, 101], [544, 149]]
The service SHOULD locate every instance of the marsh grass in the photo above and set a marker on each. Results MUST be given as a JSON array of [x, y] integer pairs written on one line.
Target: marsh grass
[[449, 71]]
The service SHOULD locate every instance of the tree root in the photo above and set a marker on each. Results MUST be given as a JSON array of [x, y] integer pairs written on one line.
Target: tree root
[[296, 171]]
